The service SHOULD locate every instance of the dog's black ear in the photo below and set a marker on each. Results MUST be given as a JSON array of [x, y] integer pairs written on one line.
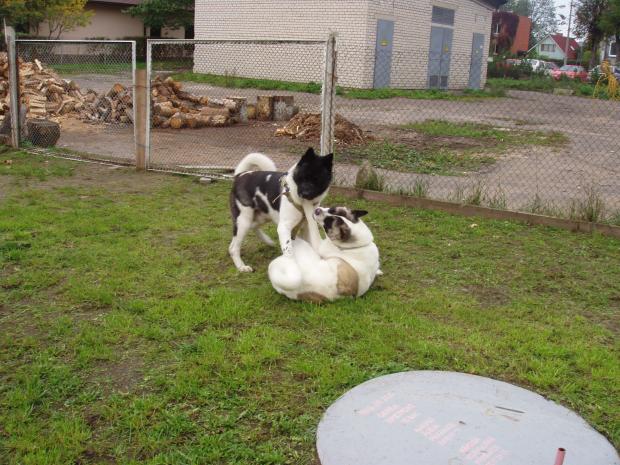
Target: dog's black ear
[[359, 213], [329, 158], [309, 154]]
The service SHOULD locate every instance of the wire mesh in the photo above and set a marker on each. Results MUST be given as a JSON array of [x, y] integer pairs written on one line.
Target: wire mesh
[[213, 102], [77, 97], [433, 125]]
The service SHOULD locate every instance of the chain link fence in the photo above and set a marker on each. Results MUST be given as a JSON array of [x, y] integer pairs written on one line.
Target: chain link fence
[[432, 125], [77, 97], [213, 102]]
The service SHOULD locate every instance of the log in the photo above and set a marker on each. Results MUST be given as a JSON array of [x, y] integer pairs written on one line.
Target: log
[[164, 109], [178, 120], [42, 132], [264, 107], [208, 111], [283, 107], [251, 111], [241, 108], [115, 90], [55, 89]]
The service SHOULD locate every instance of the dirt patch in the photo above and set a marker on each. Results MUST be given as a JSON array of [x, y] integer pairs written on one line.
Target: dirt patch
[[489, 297]]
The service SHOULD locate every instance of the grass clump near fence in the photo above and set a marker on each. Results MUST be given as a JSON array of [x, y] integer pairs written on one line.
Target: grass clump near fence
[[127, 334], [446, 148]]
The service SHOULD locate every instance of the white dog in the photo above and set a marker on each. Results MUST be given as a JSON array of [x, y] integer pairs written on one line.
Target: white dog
[[345, 263]]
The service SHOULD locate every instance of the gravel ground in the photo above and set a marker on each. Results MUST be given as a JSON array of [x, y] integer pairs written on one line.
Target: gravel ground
[[592, 157]]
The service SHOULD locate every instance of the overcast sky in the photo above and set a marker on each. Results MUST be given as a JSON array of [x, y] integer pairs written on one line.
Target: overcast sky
[[564, 11]]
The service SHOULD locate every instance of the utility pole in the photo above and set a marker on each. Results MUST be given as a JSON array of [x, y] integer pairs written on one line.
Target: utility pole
[[570, 18]]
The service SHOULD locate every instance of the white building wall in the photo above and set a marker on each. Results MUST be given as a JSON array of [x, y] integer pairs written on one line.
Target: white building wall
[[558, 54], [412, 32], [107, 21], [355, 21], [278, 20]]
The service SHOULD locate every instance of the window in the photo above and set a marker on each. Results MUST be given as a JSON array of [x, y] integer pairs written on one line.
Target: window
[[443, 16], [613, 49], [547, 48], [155, 32]]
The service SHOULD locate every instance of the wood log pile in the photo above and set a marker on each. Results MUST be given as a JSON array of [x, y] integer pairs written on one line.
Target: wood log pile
[[307, 126], [48, 96], [174, 108], [4, 85]]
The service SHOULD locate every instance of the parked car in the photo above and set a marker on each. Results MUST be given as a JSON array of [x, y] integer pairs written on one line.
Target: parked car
[[536, 65], [513, 62], [571, 72], [549, 67], [596, 71]]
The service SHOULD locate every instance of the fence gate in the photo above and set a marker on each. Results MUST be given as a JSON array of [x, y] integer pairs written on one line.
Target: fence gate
[[77, 97], [214, 101]]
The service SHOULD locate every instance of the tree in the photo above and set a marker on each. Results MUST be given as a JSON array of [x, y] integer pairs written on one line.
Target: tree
[[610, 21], [588, 16], [61, 15], [164, 13], [541, 12]]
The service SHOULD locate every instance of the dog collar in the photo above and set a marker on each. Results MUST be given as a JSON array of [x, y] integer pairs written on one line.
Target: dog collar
[[285, 191]]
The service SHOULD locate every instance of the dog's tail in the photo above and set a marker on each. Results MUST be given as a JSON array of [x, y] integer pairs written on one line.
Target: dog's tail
[[255, 162]]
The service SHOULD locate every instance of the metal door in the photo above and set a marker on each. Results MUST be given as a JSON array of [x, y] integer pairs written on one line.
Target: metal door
[[477, 55], [439, 57], [383, 53]]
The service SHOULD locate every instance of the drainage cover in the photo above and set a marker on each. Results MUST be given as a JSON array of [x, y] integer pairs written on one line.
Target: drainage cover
[[437, 418]]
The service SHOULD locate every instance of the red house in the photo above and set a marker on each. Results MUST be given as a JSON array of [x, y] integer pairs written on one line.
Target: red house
[[510, 33]]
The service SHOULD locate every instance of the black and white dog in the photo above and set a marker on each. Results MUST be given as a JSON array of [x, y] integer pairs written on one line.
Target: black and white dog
[[260, 193]]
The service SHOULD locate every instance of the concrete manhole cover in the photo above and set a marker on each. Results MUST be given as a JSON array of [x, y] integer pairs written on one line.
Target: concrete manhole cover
[[444, 418]]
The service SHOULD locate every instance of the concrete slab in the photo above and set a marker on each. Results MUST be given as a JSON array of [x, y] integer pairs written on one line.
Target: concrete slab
[[437, 418]]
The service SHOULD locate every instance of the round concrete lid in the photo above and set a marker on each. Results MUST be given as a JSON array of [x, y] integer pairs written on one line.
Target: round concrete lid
[[437, 418]]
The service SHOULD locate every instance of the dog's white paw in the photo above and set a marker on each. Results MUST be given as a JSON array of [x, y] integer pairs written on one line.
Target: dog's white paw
[[246, 269]]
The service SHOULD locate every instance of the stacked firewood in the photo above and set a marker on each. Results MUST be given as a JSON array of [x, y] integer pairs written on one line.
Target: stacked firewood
[[176, 109], [4, 85], [46, 95], [116, 106]]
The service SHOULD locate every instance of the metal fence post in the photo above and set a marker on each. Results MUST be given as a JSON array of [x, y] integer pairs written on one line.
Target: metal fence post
[[13, 85], [147, 107], [141, 123], [328, 97]]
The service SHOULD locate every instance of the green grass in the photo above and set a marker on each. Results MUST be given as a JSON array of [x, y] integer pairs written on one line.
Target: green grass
[[543, 84], [503, 137], [113, 68], [449, 148], [420, 94], [126, 335], [402, 157], [237, 82], [25, 166]]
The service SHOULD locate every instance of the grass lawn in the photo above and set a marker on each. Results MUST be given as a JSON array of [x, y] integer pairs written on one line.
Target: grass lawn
[[544, 84], [447, 148], [113, 68], [126, 335], [237, 82]]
